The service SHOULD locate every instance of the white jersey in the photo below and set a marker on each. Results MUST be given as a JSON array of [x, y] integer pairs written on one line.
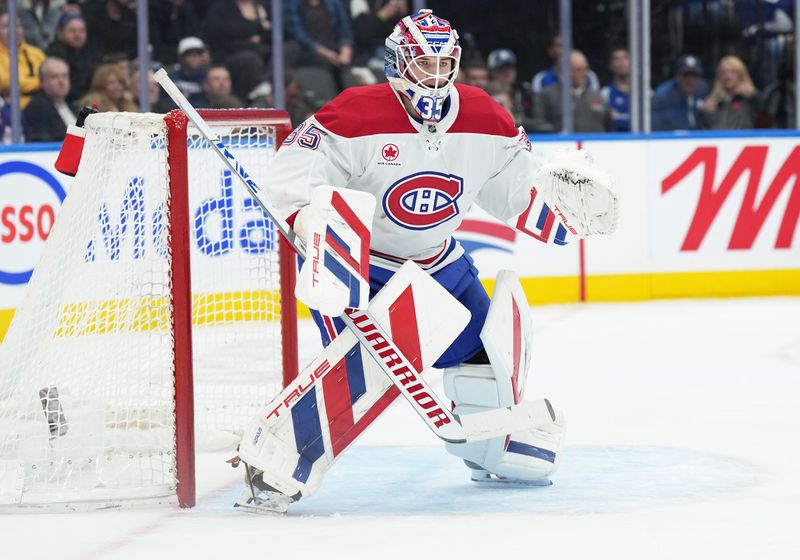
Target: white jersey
[[425, 177]]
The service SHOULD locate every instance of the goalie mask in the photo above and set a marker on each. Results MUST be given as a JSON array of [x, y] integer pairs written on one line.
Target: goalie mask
[[422, 57]]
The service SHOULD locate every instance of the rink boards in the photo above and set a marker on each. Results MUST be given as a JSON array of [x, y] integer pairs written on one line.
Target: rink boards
[[707, 215]]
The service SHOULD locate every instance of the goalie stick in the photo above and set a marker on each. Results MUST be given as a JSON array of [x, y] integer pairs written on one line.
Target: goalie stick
[[449, 427]]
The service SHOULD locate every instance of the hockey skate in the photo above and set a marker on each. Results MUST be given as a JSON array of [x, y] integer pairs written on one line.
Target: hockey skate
[[260, 497], [482, 476]]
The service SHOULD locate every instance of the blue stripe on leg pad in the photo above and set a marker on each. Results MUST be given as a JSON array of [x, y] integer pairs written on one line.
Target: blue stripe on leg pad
[[533, 451], [355, 373], [344, 276], [307, 434]]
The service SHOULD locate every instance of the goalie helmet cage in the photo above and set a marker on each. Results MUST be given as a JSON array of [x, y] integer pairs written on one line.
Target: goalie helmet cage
[[161, 312]]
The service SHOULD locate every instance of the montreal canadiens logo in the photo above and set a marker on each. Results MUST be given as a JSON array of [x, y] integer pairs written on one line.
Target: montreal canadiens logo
[[423, 200], [390, 152]]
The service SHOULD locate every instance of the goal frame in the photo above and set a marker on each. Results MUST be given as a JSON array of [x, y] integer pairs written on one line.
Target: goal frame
[[181, 320]]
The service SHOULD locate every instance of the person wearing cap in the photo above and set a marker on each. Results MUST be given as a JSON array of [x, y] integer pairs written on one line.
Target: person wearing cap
[[189, 72], [502, 64], [71, 46], [677, 102]]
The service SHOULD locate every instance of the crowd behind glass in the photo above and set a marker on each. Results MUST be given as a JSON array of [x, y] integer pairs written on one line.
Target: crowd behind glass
[[716, 64]]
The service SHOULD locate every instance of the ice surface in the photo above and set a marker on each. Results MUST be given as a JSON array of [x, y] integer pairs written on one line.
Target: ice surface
[[682, 444]]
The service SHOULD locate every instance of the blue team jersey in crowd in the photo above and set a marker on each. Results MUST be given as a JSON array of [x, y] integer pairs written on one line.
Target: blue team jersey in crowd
[[549, 77], [619, 102]]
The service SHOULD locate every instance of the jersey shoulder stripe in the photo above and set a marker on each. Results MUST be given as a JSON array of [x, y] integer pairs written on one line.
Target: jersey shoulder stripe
[[365, 111], [480, 114]]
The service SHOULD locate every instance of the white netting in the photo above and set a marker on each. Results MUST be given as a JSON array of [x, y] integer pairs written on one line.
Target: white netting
[[86, 369]]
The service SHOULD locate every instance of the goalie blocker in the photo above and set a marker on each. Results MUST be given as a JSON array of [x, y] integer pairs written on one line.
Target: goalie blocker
[[336, 227]]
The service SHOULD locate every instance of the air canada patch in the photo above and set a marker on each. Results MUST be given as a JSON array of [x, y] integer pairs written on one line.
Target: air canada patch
[[390, 152], [423, 200], [390, 156]]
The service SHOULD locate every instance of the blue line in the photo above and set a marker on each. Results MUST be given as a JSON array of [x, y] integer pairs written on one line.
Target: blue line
[[37, 147], [531, 450]]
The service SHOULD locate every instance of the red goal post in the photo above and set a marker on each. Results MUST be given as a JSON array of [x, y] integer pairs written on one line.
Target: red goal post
[[177, 159], [161, 313]]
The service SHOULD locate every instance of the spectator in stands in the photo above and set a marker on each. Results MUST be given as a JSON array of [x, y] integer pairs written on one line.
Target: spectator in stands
[[158, 104], [590, 113], [217, 89], [778, 100], [617, 94], [239, 35], [108, 90], [170, 21], [188, 74], [324, 35], [261, 97], [39, 19], [49, 114], [70, 45], [5, 122], [733, 101], [501, 93], [502, 65], [112, 27], [298, 105], [233, 26], [549, 76], [677, 102], [29, 59], [373, 21], [477, 73]]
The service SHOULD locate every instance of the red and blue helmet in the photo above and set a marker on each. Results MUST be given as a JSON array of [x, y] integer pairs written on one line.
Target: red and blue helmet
[[422, 59]]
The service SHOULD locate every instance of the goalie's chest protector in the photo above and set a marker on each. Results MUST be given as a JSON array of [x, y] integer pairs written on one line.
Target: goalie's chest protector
[[425, 176]]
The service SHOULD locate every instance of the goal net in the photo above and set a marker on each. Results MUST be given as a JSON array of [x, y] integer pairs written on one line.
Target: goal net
[[117, 344]]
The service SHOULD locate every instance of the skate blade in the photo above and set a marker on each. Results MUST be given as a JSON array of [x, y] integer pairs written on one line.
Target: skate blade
[[496, 481], [265, 505], [260, 509]]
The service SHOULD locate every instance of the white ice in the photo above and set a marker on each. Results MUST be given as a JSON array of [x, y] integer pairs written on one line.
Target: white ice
[[684, 419]]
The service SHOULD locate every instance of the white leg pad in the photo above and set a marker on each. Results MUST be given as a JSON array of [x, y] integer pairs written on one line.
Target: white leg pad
[[529, 455]]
